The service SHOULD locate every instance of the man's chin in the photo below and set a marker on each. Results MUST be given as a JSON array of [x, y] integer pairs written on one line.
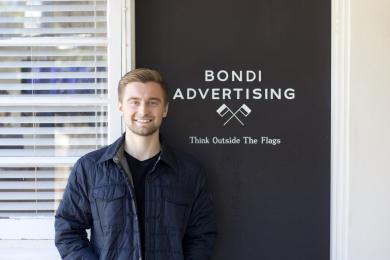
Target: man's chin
[[143, 132]]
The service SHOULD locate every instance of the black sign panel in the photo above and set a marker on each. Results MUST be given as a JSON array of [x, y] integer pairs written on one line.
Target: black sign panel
[[250, 97]]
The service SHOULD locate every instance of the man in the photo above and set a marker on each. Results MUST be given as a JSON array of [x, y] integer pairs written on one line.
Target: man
[[140, 198]]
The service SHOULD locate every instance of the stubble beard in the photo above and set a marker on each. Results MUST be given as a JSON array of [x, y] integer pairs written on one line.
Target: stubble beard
[[143, 131]]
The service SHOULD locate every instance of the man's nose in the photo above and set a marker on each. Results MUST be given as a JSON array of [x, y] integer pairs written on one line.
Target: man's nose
[[143, 109]]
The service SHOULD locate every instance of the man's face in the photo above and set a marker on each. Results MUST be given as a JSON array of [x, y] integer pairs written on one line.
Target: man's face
[[143, 107]]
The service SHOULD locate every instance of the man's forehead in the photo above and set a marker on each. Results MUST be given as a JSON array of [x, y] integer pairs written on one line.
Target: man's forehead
[[144, 90], [150, 84], [140, 87]]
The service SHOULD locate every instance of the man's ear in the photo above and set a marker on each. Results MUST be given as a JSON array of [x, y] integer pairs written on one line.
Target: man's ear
[[120, 107], [166, 109]]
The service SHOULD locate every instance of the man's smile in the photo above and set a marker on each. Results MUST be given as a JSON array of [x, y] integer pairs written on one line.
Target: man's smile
[[143, 121]]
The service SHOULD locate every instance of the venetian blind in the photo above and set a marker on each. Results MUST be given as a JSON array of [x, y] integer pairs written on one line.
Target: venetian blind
[[53, 98]]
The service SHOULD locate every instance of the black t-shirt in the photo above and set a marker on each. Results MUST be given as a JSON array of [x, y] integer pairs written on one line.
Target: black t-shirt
[[138, 170]]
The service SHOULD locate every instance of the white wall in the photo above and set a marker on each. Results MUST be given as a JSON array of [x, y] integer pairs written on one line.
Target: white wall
[[369, 208]]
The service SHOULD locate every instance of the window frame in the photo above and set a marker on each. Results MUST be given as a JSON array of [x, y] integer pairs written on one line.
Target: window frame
[[120, 59]]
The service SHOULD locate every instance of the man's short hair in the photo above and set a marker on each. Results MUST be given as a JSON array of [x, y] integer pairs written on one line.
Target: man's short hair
[[143, 75]]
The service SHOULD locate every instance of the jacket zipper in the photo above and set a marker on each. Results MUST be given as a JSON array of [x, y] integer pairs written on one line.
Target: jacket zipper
[[147, 189], [130, 186]]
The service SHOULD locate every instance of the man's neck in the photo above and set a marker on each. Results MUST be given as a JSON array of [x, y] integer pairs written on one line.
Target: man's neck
[[142, 147]]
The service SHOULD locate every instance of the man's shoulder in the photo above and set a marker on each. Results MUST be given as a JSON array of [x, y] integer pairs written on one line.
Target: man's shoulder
[[102, 154], [187, 158], [184, 160], [94, 156], [189, 171]]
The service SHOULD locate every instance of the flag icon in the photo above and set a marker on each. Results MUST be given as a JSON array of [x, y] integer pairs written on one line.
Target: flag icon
[[224, 109], [245, 110]]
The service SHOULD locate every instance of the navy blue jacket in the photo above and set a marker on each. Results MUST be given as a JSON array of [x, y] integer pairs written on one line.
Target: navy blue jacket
[[179, 220]]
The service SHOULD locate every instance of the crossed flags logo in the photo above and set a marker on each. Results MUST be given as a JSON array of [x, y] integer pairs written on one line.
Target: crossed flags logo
[[242, 110]]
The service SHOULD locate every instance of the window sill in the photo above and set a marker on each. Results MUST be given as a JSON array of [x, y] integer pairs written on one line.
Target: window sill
[[28, 249]]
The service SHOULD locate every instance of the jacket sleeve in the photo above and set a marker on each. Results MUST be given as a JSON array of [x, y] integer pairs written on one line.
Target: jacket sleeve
[[73, 217], [201, 231]]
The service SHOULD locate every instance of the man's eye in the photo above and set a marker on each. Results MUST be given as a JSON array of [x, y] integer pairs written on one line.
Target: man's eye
[[134, 102], [153, 103]]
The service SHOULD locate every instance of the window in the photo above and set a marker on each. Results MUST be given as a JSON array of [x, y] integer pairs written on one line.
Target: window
[[57, 96]]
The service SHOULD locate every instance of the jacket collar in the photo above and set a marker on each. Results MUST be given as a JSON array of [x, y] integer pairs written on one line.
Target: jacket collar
[[115, 152]]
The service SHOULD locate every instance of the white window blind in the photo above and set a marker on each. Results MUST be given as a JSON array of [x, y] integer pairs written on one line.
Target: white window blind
[[53, 98]]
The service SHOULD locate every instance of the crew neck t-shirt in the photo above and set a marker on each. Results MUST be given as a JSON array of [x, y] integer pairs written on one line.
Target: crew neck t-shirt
[[139, 170]]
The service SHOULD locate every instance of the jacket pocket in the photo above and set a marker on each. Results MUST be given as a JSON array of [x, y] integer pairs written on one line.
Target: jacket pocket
[[110, 203], [176, 207]]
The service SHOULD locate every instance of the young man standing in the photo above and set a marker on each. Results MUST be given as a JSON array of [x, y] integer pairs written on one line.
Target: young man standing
[[140, 198]]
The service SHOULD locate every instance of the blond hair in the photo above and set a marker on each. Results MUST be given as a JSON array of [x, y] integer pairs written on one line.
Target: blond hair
[[142, 75]]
